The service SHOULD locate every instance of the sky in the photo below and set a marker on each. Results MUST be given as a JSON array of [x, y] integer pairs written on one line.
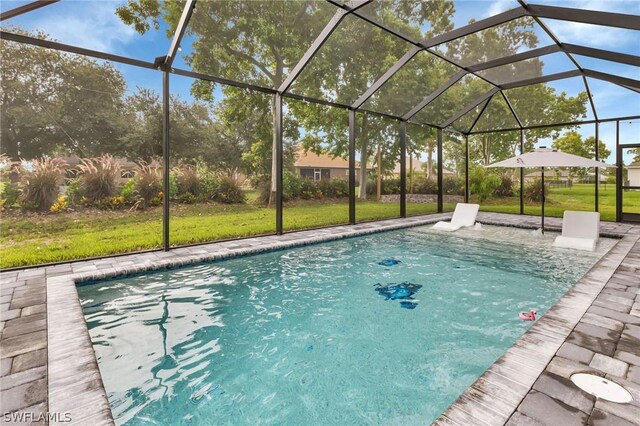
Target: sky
[[93, 24]]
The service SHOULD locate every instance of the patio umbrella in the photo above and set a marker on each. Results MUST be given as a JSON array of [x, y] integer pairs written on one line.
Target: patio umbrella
[[546, 157]]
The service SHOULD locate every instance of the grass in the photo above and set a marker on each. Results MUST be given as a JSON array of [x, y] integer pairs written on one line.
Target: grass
[[28, 239], [579, 197]]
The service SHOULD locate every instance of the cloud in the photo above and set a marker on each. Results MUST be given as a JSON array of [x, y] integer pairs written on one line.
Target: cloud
[[499, 6], [617, 6], [92, 25], [595, 35]]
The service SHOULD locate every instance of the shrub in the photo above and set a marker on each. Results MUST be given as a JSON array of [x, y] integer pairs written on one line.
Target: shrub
[[452, 185], [111, 203], [187, 198], [291, 185], [263, 186], [99, 177], [208, 184], [60, 205], [333, 188], [228, 192], [372, 186], [187, 180], [309, 190], [73, 194], [340, 188], [173, 186], [505, 188], [533, 191], [148, 184], [425, 186], [40, 186], [481, 183], [128, 191], [391, 186], [10, 193]]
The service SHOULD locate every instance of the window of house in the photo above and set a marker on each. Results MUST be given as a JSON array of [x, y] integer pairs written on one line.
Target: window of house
[[306, 174]]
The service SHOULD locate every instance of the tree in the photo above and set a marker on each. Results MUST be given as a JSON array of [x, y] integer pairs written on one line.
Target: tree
[[197, 134], [571, 142], [229, 44], [534, 105], [55, 103], [260, 41]]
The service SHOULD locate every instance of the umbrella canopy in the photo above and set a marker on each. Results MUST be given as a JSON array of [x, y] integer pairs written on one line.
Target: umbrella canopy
[[545, 157]]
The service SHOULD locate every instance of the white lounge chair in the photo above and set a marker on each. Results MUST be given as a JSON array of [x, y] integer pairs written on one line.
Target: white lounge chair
[[464, 215], [580, 231]]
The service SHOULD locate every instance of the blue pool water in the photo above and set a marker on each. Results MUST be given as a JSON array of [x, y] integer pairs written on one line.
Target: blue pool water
[[304, 336]]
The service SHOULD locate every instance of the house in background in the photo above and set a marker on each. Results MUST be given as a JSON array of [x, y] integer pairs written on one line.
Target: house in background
[[316, 167], [72, 162], [633, 176], [557, 175]]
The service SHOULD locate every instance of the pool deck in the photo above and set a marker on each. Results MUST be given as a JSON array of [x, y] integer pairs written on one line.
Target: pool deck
[[48, 364]]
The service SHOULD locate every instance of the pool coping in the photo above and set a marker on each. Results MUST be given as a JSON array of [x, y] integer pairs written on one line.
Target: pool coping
[[75, 385]]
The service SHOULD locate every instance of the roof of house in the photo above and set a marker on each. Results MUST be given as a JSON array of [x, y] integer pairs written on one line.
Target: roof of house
[[417, 166], [311, 159], [634, 165]]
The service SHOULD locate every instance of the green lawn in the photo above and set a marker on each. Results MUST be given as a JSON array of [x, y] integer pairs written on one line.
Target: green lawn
[[33, 239], [579, 197]]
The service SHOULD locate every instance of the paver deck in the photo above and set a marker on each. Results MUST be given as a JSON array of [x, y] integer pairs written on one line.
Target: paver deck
[[47, 363]]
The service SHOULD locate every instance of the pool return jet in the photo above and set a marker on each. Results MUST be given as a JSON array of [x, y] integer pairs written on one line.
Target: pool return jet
[[545, 157]]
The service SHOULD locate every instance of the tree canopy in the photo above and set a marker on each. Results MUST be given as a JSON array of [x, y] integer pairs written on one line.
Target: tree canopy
[[84, 107], [54, 102], [571, 142]]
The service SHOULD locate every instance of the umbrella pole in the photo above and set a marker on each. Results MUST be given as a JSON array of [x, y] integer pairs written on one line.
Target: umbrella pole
[[542, 199]]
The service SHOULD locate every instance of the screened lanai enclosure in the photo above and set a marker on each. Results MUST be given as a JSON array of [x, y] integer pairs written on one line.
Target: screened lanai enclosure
[[137, 125]]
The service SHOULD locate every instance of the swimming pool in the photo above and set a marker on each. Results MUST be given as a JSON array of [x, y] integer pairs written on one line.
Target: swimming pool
[[304, 336]]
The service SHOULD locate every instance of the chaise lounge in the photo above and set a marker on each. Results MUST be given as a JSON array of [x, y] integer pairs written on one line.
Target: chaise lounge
[[464, 216], [580, 231]]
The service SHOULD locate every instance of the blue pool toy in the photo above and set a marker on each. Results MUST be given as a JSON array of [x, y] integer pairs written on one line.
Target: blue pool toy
[[397, 291], [403, 292], [389, 262], [408, 305]]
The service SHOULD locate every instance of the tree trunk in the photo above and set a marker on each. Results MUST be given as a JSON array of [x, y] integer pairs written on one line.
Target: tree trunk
[[379, 180], [429, 162], [274, 154], [411, 174], [274, 148], [364, 156], [486, 151]]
